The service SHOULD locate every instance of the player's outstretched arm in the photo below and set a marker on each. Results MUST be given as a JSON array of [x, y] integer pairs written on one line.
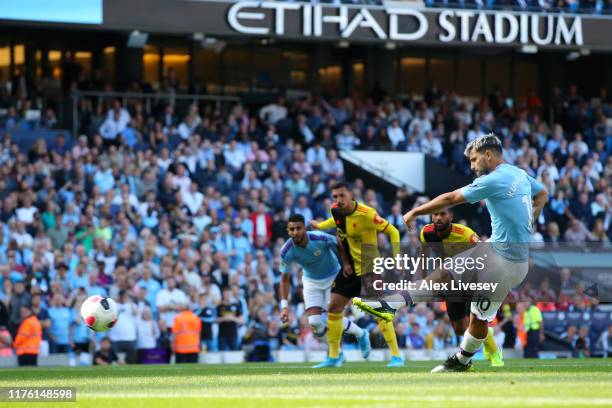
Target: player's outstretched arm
[[442, 201], [323, 225]]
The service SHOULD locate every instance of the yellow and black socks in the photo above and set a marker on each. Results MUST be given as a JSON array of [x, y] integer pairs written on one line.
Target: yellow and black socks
[[334, 333], [388, 332]]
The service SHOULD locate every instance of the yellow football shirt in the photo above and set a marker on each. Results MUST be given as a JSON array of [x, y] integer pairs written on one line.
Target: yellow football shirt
[[358, 228], [457, 239]]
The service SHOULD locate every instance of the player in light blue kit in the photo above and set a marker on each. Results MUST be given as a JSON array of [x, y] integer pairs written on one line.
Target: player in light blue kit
[[514, 200], [314, 252]]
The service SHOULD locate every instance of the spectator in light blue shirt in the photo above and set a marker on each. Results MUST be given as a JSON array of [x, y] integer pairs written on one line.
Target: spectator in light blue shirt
[[79, 333], [103, 178], [152, 286], [559, 203], [296, 185], [130, 135], [224, 241], [94, 287], [78, 278], [241, 247], [72, 214], [61, 318]]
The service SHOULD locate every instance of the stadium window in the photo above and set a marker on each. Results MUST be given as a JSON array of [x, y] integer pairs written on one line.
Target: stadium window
[[5, 62], [526, 78], [38, 59], [358, 77], [237, 78], [109, 64], [469, 78], [270, 69], [498, 77], [297, 78], [413, 75], [55, 63], [329, 78], [83, 58], [150, 61], [442, 73], [299, 66], [177, 60], [206, 69], [19, 58]]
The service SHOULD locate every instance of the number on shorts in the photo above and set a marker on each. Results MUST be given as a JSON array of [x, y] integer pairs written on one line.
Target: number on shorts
[[483, 303]]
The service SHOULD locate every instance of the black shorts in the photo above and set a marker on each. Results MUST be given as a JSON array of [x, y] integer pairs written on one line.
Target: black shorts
[[348, 287], [457, 310]]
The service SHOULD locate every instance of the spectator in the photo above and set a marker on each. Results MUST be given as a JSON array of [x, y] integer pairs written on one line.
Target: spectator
[[186, 336], [578, 148], [582, 344], [106, 355], [18, 298], [207, 313], [577, 233], [147, 333], [168, 301], [396, 133], [28, 338], [439, 338], [61, 319], [6, 342], [80, 338], [229, 317], [274, 112], [346, 139], [123, 334], [333, 166], [303, 209], [414, 339], [604, 343]]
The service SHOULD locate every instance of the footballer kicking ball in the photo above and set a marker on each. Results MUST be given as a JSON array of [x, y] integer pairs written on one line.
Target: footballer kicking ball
[[99, 313]]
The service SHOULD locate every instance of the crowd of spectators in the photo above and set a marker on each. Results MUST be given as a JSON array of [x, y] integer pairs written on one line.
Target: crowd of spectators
[[162, 209]]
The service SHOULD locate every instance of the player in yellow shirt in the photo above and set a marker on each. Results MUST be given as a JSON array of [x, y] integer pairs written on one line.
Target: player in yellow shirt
[[447, 239], [356, 225]]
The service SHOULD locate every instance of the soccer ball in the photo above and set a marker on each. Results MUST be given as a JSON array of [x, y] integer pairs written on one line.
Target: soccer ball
[[99, 313]]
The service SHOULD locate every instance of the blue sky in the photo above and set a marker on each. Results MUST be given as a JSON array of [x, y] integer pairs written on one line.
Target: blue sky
[[59, 11]]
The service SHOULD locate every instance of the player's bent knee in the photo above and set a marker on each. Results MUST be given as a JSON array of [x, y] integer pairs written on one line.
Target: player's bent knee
[[316, 323]]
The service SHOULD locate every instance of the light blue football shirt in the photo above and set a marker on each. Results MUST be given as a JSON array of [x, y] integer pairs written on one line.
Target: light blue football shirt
[[318, 258], [508, 193]]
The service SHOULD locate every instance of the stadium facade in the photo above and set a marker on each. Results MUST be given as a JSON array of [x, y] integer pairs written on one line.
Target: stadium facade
[[252, 47]]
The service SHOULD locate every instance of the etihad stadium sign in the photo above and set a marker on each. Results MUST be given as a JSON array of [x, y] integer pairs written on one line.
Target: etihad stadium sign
[[404, 24], [358, 24]]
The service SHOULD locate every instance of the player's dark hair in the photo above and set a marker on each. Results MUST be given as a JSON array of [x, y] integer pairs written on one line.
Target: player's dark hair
[[340, 184], [297, 218], [486, 142]]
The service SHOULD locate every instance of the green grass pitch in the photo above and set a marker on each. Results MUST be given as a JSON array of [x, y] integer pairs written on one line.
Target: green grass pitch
[[575, 383]]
